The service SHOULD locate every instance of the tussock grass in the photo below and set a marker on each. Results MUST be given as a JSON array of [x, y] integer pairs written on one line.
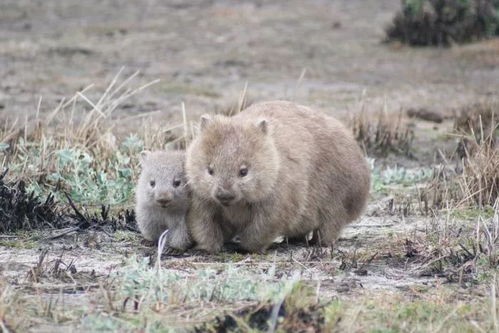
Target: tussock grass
[[479, 182], [479, 120], [382, 133], [476, 182]]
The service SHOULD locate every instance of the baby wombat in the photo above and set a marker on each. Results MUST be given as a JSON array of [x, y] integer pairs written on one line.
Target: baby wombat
[[275, 169], [163, 198]]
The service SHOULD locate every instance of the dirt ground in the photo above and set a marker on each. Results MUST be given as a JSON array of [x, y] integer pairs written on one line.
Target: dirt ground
[[326, 54]]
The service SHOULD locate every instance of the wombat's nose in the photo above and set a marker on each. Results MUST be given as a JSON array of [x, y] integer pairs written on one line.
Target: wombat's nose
[[224, 197], [163, 201]]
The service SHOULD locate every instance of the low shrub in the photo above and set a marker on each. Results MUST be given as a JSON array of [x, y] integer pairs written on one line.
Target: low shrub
[[444, 22]]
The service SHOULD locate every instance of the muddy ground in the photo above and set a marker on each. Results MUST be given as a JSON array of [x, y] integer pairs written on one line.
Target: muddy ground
[[327, 54]]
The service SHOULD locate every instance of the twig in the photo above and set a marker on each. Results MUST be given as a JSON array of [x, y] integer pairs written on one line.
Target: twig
[[80, 216], [471, 255], [431, 262], [63, 233], [368, 261]]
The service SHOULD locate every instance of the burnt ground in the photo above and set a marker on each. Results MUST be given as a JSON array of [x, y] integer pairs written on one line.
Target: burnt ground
[[327, 54]]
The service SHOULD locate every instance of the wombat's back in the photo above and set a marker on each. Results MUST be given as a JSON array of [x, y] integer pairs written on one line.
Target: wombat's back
[[337, 173]]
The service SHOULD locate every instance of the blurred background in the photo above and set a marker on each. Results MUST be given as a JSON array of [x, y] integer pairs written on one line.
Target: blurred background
[[330, 54]]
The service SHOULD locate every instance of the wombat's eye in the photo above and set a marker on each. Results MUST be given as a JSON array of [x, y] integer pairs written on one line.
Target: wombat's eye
[[243, 171], [211, 171], [152, 183], [176, 183]]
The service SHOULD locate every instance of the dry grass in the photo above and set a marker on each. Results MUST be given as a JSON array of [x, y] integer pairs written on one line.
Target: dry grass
[[479, 182], [460, 252], [82, 123], [80, 146], [474, 181], [479, 120], [383, 133], [234, 108], [476, 186]]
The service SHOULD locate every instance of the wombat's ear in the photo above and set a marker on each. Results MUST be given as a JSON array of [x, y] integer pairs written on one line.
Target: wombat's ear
[[205, 120], [143, 156], [263, 125]]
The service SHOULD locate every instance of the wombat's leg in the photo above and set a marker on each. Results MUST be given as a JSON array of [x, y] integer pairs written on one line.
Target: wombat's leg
[[204, 229], [330, 228], [151, 229], [178, 236], [258, 235], [308, 225]]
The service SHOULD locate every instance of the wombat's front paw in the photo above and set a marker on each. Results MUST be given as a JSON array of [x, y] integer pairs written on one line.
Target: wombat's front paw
[[173, 252], [212, 249], [180, 246], [198, 252], [148, 243]]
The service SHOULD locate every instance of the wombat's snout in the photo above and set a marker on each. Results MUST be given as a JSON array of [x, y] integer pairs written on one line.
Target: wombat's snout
[[164, 199], [225, 197]]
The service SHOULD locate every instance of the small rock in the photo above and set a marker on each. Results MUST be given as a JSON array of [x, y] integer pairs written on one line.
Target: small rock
[[361, 272]]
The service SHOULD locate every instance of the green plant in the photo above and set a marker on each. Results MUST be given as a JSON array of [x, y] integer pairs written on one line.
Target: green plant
[[443, 22], [83, 157], [381, 178], [232, 284]]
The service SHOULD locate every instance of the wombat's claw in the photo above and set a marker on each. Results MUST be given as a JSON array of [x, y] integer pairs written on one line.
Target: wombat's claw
[[173, 252], [147, 243], [198, 252]]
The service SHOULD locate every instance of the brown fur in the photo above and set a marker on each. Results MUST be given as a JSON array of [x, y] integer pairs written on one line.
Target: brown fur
[[305, 172]]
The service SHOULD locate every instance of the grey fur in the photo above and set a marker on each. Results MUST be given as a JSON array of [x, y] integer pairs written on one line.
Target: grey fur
[[164, 168]]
